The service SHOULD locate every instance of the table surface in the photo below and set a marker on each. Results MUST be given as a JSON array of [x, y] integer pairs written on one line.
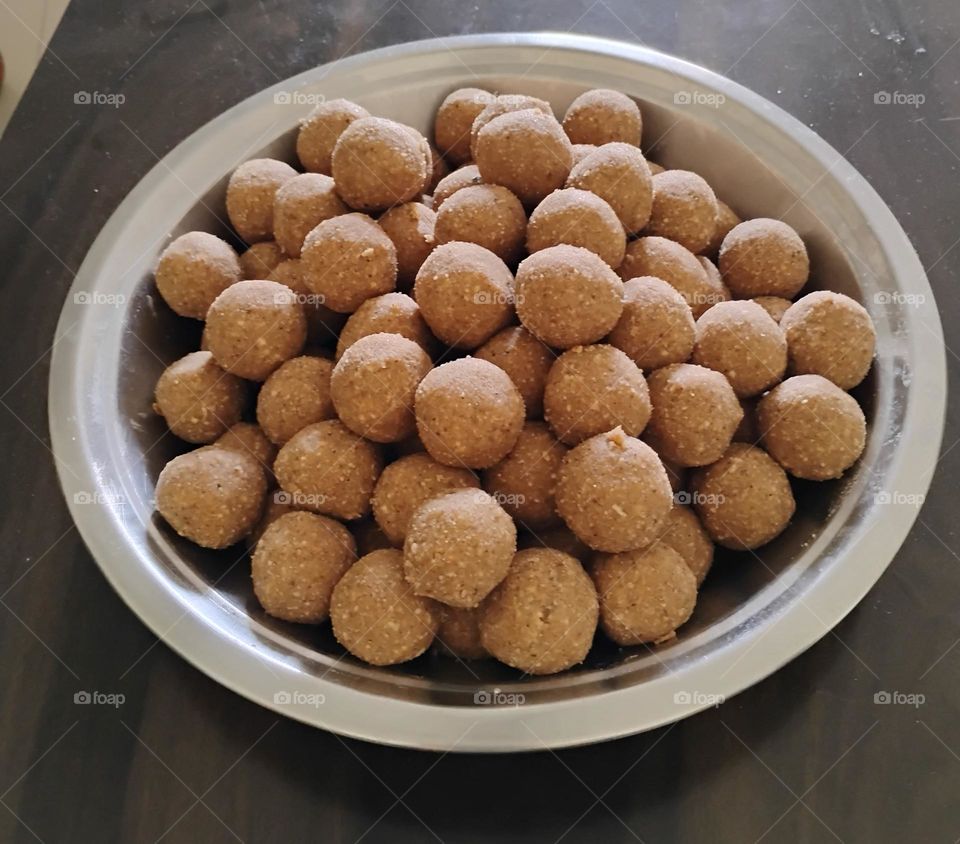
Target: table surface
[[806, 755]]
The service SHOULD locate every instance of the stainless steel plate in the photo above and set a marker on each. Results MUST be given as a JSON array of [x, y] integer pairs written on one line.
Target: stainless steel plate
[[756, 612]]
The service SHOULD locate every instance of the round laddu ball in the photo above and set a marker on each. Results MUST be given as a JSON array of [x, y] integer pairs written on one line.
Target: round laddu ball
[[684, 209], [505, 104], [212, 496], [764, 257], [300, 206], [323, 325], [251, 191], [451, 126], [559, 538], [254, 326], [741, 341], [525, 151], [644, 595], [465, 294], [248, 438], [602, 116], [542, 618], [392, 313], [469, 413], [407, 484], [261, 259], [684, 533], [592, 389], [579, 218], [524, 482], [775, 306], [296, 564], [744, 499], [695, 412], [378, 163], [197, 399], [464, 177], [726, 220], [618, 174], [328, 469], [411, 228], [832, 335], [374, 383], [369, 537], [567, 296], [195, 269], [459, 634], [613, 492], [811, 427], [348, 260], [525, 359], [676, 265], [375, 614], [296, 395], [488, 215], [657, 326], [321, 129], [581, 151], [458, 547]]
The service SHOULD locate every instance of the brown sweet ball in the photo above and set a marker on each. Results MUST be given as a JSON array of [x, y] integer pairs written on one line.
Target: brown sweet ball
[[451, 127], [459, 634], [559, 538], [542, 618], [618, 174], [248, 438], [613, 492], [524, 482], [581, 151], [254, 326], [504, 104], [409, 483], [727, 219], [378, 163], [250, 196], [525, 359], [657, 326], [465, 294], [469, 413], [592, 389], [684, 209], [695, 413], [719, 291], [375, 614], [488, 215], [464, 177], [776, 306], [369, 537], [195, 269], [348, 260], [296, 395], [411, 228], [764, 257], [567, 296], [744, 499], [741, 340], [321, 129], [579, 218], [602, 116], [211, 496], [323, 325], [197, 399], [300, 206], [832, 335], [328, 469], [811, 427], [296, 564], [261, 259], [458, 547], [684, 533], [644, 595], [392, 313], [373, 385], [676, 265], [525, 151]]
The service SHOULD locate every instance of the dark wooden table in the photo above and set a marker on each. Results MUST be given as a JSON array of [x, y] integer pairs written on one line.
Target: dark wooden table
[[804, 756]]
